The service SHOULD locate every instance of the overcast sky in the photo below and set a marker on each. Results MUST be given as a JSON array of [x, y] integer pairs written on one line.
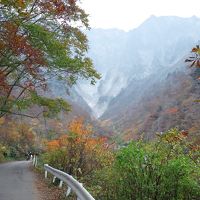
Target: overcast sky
[[128, 14]]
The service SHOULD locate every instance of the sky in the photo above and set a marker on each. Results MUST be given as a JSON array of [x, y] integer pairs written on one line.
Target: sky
[[129, 14]]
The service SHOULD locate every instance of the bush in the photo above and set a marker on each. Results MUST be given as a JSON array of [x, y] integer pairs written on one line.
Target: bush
[[3, 152], [78, 153], [159, 170]]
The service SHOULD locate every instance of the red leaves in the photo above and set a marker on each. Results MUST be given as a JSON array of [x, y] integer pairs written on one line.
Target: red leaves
[[59, 7], [172, 110], [29, 85], [19, 44], [14, 40], [25, 63], [72, 2], [54, 6], [195, 148], [174, 136], [184, 133], [4, 87]]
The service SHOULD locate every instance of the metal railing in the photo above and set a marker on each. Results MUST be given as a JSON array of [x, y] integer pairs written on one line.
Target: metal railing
[[73, 184]]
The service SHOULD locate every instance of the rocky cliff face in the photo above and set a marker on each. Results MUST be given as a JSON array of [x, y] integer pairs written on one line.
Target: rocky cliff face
[[124, 57]]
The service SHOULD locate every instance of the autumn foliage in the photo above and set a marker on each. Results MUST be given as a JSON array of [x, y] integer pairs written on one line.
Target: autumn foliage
[[79, 151], [40, 40], [18, 138]]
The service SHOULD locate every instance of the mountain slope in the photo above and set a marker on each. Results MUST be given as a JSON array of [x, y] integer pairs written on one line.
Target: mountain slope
[[162, 105], [122, 57]]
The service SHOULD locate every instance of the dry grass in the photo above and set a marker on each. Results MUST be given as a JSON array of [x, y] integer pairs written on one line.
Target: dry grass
[[47, 190]]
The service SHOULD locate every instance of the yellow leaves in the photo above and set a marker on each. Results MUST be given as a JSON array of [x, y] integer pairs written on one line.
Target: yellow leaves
[[25, 14], [2, 46], [20, 4], [15, 3], [2, 120], [17, 134], [13, 136], [53, 145], [173, 136]]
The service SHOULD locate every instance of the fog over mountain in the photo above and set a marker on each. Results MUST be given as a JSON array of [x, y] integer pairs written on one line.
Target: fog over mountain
[[155, 47]]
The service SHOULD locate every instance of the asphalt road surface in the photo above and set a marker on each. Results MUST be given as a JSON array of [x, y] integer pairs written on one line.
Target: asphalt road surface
[[17, 181]]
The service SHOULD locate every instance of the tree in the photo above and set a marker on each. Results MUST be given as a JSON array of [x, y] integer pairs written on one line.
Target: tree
[[17, 138], [78, 152], [41, 40]]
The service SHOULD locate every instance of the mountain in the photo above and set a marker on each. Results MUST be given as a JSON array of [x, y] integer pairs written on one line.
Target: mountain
[[79, 106], [159, 43], [151, 105], [140, 68], [146, 86]]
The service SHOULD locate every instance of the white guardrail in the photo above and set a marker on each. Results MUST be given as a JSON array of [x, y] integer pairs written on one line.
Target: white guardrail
[[73, 184], [34, 160]]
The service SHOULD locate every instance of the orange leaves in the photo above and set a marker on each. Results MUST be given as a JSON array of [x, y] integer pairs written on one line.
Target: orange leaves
[[53, 145], [63, 140], [195, 148], [196, 49], [173, 110], [79, 152], [77, 126], [79, 135]]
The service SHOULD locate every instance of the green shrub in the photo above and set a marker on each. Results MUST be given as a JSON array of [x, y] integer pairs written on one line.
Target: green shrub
[[3, 152], [160, 170]]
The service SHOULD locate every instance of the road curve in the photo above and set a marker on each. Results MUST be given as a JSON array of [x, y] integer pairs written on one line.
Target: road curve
[[17, 181]]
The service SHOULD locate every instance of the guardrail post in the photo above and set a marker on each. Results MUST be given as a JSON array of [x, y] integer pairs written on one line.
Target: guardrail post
[[72, 184], [33, 160], [61, 183], [45, 173], [36, 161], [68, 191], [54, 178]]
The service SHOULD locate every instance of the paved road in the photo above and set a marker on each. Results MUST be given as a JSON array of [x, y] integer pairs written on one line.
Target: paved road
[[17, 181]]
